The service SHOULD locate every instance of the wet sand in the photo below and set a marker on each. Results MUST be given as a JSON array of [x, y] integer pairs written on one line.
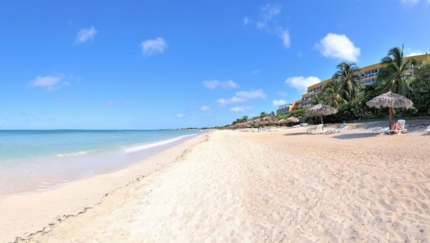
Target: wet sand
[[277, 186]]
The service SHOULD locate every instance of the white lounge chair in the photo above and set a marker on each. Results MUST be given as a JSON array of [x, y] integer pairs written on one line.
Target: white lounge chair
[[318, 130], [427, 131], [342, 128], [401, 130], [380, 130]]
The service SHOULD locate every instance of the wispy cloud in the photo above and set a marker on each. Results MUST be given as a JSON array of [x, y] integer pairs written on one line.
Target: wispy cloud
[[48, 82], [252, 94], [409, 52], [267, 13], [339, 47], [266, 21], [285, 37], [240, 108], [204, 108], [242, 96], [301, 83], [154, 46], [85, 35], [246, 20], [213, 84], [279, 102], [180, 115]]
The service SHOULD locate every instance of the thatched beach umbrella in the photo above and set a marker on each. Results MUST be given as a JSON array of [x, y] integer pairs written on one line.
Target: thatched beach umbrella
[[321, 110], [390, 100], [282, 121], [292, 119]]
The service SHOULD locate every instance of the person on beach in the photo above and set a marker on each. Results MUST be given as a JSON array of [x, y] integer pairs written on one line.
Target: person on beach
[[396, 126]]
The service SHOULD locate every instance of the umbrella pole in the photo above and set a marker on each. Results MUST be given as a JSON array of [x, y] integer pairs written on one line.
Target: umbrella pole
[[321, 120], [390, 115]]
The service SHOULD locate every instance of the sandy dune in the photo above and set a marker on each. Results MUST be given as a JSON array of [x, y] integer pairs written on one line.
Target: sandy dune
[[279, 186]]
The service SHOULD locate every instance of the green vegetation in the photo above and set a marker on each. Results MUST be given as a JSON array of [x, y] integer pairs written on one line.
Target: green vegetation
[[399, 75]]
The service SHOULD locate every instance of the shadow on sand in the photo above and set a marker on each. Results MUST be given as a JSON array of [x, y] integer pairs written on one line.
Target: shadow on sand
[[355, 135]]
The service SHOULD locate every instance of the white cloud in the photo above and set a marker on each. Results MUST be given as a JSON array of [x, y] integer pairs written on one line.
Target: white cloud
[[409, 52], [212, 84], [339, 47], [85, 35], [154, 46], [267, 13], [279, 102], [204, 108], [234, 99], [49, 82], [301, 83], [285, 37], [251, 94], [180, 115], [222, 102], [415, 53], [237, 109], [242, 96]]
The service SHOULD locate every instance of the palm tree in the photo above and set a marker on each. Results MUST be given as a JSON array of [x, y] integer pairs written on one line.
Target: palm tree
[[396, 71], [318, 99], [334, 94], [349, 78]]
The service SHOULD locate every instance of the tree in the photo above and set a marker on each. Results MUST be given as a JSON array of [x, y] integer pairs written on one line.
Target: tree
[[349, 79], [395, 72], [263, 114], [420, 87], [333, 94], [317, 99]]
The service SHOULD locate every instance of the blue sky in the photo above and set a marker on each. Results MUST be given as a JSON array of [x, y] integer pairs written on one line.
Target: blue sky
[[171, 64]]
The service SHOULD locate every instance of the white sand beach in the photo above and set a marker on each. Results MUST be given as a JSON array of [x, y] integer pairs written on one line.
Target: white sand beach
[[230, 186]]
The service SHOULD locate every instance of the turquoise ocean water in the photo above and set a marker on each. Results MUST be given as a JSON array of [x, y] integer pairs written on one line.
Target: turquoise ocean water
[[38, 160]]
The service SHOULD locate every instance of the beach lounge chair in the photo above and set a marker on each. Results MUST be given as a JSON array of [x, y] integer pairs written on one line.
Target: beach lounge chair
[[380, 130], [398, 129], [342, 128], [427, 131], [318, 130]]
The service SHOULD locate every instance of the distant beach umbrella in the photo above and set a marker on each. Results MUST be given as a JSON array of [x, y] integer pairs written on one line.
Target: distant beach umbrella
[[321, 110], [390, 100], [292, 119], [282, 121], [256, 122]]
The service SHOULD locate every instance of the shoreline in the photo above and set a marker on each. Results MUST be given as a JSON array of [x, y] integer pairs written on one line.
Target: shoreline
[[27, 213]]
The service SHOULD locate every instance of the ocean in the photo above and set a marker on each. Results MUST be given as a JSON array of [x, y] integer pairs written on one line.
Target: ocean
[[35, 160]]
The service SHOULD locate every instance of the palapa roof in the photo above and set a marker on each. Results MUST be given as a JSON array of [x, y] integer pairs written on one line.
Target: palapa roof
[[390, 99], [292, 119], [321, 110]]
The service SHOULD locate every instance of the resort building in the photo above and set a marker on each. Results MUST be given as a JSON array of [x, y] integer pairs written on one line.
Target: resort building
[[285, 109], [367, 74]]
